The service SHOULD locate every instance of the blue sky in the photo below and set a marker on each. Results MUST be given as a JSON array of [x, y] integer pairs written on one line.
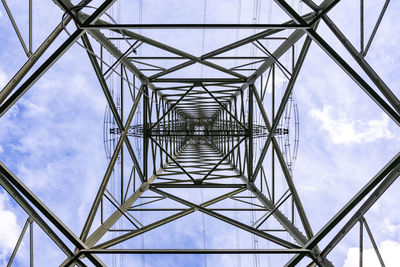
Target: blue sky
[[52, 139]]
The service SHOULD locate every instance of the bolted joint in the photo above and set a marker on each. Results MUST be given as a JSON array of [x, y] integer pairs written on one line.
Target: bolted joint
[[251, 187], [198, 181], [144, 187]]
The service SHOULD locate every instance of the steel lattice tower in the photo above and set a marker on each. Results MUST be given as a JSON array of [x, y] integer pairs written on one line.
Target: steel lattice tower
[[180, 133]]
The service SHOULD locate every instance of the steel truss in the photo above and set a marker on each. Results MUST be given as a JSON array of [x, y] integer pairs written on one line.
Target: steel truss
[[196, 133]]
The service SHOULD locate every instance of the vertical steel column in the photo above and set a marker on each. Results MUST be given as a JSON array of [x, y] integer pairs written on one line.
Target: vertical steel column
[[30, 28], [272, 147], [145, 131], [250, 138], [31, 243], [361, 243], [361, 27], [122, 120]]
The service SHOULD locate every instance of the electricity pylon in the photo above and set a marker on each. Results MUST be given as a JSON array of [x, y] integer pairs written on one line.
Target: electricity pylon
[[173, 133]]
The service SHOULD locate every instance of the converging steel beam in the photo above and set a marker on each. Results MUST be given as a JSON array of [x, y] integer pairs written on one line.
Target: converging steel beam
[[110, 101], [369, 71], [226, 219], [50, 61], [287, 175], [109, 170], [393, 114], [281, 218], [12, 185], [99, 232], [164, 221], [284, 101], [192, 59], [393, 166], [358, 215]]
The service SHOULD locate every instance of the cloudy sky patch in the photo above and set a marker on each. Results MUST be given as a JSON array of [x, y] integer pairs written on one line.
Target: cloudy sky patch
[[342, 129]]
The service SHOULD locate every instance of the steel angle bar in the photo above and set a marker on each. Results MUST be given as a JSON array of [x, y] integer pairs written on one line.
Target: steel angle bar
[[194, 251], [109, 170], [170, 49], [250, 137], [52, 59], [99, 37], [371, 237], [113, 218], [250, 39], [279, 203], [223, 106], [202, 80], [297, 235], [289, 226], [203, 185], [33, 215], [324, 11], [393, 114], [172, 158], [102, 81], [285, 46], [19, 192], [223, 159], [289, 180], [226, 219], [13, 254], [281, 218], [113, 201], [213, 209], [369, 71], [391, 167], [68, 7], [172, 69], [110, 101], [148, 202], [14, 24], [171, 108], [378, 22], [32, 60], [263, 49], [197, 26], [166, 220], [358, 215], [281, 50], [124, 55], [285, 98]]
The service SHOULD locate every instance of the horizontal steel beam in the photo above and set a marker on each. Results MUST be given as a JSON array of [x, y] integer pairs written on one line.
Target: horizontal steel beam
[[195, 251], [204, 185], [197, 26]]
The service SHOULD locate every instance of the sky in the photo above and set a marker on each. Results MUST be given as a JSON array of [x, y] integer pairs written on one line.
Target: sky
[[52, 139]]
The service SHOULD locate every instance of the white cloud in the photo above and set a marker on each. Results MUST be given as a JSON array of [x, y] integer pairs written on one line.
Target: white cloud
[[344, 130], [390, 251], [9, 229], [389, 226], [3, 76]]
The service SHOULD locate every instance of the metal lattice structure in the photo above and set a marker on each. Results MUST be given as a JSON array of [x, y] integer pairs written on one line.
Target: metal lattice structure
[[179, 126]]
